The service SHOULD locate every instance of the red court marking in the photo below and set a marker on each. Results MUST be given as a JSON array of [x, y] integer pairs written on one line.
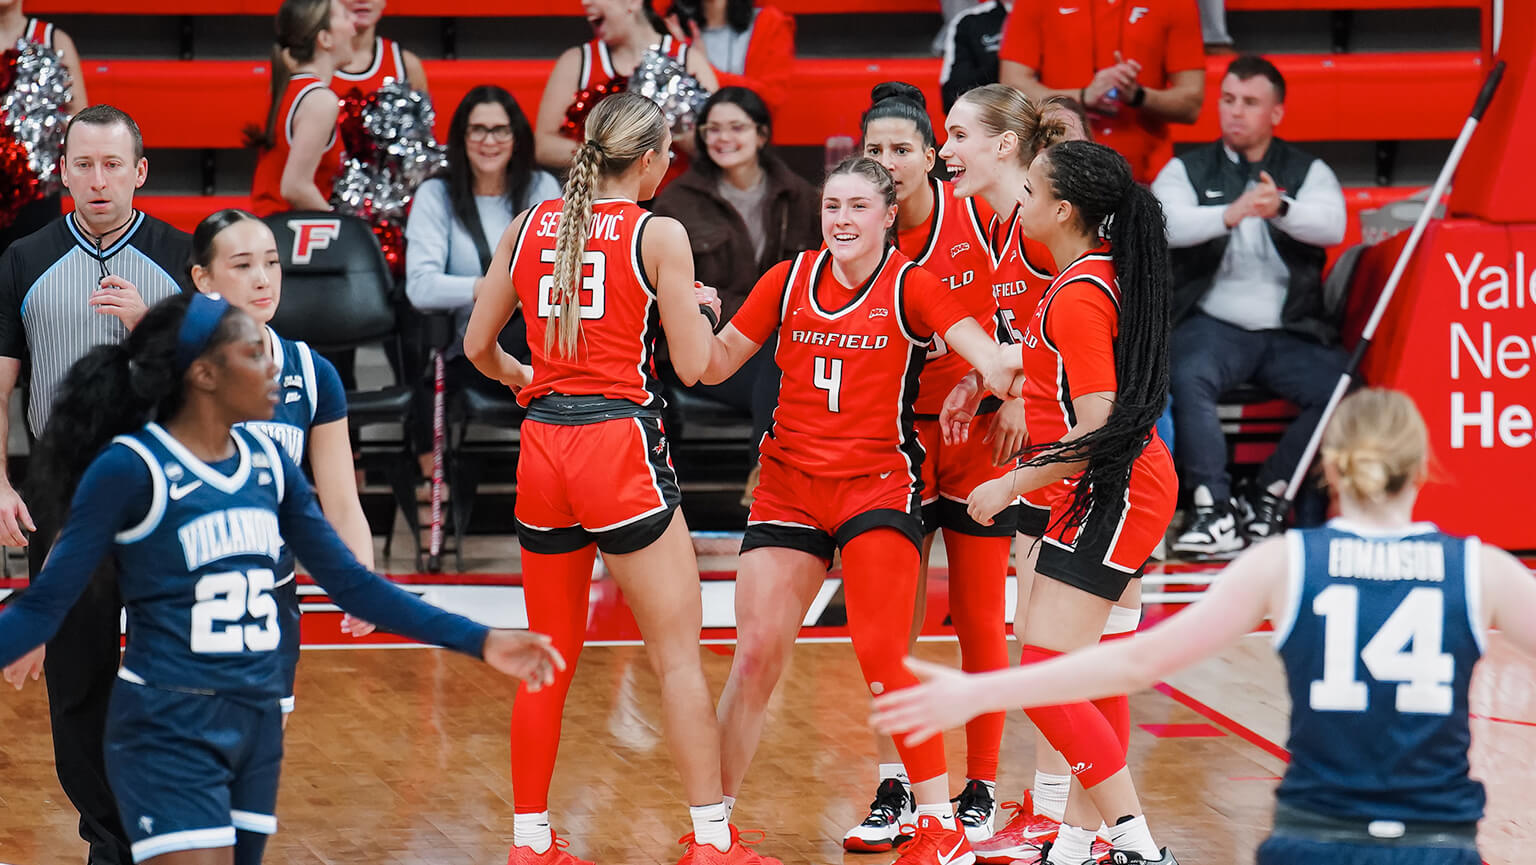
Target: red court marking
[[1237, 729], [1182, 731], [1502, 720]]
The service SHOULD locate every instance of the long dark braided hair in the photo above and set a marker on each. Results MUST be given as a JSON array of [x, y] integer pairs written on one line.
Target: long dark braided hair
[[1097, 182]]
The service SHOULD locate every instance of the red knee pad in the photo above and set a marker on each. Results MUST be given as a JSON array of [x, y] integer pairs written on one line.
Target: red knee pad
[[1117, 709], [1078, 730]]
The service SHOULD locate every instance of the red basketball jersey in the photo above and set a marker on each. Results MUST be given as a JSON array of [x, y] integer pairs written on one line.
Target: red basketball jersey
[[267, 185], [597, 64], [620, 321], [39, 32], [1021, 271], [849, 359], [952, 245], [388, 65]]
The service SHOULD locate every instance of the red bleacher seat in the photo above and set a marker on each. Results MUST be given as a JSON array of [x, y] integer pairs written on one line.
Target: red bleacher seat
[[1332, 97]]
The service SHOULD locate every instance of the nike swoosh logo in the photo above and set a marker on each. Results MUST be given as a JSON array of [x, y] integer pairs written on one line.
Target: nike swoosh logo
[[1036, 833], [181, 491], [946, 858], [1066, 10], [1213, 193]]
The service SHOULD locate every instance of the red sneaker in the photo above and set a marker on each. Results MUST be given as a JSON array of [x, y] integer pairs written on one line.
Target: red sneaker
[[1021, 837], [555, 855], [932, 844], [699, 853]]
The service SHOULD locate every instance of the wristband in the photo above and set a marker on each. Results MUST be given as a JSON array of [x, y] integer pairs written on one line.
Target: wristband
[[709, 313], [1285, 207], [1082, 97], [1139, 98]]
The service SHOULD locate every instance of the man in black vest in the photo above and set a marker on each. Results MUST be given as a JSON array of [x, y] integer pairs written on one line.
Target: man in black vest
[[1249, 218]]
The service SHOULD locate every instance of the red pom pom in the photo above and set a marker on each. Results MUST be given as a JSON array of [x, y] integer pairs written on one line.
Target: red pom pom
[[355, 139], [19, 186], [8, 60], [575, 123], [392, 243]]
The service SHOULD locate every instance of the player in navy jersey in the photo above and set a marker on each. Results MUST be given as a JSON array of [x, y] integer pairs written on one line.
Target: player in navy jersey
[[234, 255], [1379, 621], [196, 512]]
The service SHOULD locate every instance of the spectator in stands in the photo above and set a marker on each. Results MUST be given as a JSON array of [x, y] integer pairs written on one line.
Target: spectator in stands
[[1249, 218], [376, 60], [1136, 67], [86, 279], [747, 46], [300, 150], [624, 30], [971, 41], [745, 211], [456, 221], [14, 27]]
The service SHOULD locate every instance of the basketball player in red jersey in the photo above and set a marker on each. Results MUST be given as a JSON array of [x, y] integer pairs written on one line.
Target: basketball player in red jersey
[[1095, 356], [841, 467], [300, 149], [625, 30], [376, 61], [946, 235], [599, 279], [983, 149]]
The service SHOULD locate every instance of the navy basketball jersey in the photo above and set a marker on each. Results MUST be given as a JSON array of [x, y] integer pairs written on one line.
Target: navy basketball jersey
[[197, 571], [297, 398], [1383, 631]]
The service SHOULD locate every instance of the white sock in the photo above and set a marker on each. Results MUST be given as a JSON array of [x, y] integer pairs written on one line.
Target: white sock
[[711, 825], [1131, 833], [944, 813], [532, 830], [895, 770], [1050, 795], [730, 807], [1073, 846]]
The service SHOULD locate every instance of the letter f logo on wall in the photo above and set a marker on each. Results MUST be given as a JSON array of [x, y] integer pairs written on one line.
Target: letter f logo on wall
[[310, 235]]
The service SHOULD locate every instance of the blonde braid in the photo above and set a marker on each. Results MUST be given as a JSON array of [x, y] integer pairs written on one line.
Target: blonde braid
[[564, 327]]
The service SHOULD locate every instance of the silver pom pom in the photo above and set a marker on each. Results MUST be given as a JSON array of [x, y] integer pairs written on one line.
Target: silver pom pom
[[32, 111], [667, 83], [379, 186]]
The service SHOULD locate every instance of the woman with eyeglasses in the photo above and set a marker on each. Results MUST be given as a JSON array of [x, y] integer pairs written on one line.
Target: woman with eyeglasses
[[456, 219], [745, 211]]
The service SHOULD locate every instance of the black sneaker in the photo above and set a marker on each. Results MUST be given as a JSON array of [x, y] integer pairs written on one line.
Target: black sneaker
[[1263, 514], [1129, 857], [1212, 530], [975, 808], [893, 808]]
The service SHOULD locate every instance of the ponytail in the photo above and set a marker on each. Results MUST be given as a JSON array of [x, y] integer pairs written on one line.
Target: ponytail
[[299, 24], [620, 130], [111, 391], [1097, 182]]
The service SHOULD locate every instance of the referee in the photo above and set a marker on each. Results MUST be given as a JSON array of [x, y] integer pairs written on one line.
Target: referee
[[85, 279]]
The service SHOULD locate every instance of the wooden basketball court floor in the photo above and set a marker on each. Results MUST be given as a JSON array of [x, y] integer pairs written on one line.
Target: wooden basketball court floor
[[399, 754]]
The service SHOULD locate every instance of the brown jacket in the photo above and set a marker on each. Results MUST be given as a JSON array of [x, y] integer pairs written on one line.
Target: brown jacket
[[722, 248]]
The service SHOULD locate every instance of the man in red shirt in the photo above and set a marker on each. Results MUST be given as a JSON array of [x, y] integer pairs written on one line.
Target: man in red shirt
[[1136, 65]]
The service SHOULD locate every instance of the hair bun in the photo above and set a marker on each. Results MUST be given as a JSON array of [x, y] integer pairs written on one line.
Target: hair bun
[[897, 90]]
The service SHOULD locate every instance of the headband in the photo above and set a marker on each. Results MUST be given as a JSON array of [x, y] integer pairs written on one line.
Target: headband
[[203, 316]]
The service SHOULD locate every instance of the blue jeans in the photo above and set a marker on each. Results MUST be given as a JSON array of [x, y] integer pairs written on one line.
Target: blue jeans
[[1208, 357]]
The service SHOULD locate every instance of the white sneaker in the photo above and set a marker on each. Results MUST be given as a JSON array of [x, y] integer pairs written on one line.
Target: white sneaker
[[1213, 530], [880, 832]]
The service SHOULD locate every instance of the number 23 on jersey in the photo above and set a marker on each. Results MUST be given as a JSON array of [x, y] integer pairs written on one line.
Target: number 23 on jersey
[[594, 272]]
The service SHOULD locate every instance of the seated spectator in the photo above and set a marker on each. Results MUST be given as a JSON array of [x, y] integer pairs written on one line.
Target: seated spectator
[[623, 31], [1249, 218], [300, 148], [747, 46], [1136, 67], [456, 221], [971, 40], [745, 211]]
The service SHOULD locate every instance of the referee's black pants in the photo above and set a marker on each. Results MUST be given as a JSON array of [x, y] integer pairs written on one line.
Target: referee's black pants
[[81, 666]]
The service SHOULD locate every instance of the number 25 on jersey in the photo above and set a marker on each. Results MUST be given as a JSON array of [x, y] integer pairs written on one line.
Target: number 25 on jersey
[[594, 272]]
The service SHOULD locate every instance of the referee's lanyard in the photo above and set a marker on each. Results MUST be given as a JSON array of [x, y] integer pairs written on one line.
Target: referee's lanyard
[[100, 239]]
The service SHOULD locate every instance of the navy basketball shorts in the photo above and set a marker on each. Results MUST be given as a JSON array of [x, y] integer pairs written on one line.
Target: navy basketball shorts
[[188, 769], [287, 594], [1281, 849]]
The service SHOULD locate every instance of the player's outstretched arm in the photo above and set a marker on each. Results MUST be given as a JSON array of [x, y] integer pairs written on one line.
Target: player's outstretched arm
[[1248, 590]]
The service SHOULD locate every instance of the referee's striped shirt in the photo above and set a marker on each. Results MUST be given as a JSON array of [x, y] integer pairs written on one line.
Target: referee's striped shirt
[[46, 281]]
